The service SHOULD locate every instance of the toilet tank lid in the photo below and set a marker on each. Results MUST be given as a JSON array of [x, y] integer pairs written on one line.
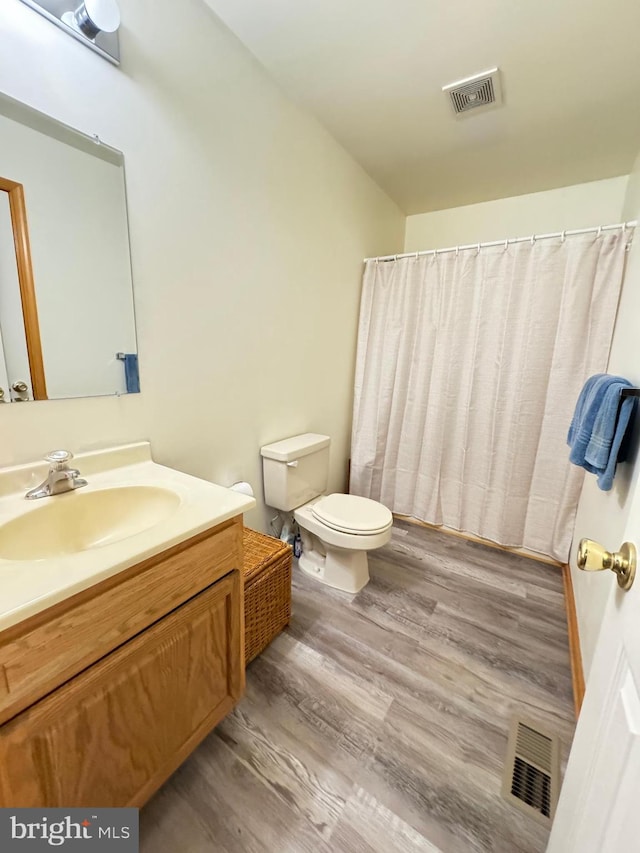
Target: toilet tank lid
[[295, 447]]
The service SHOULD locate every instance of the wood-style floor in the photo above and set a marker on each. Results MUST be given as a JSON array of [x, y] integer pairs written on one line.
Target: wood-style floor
[[379, 722]]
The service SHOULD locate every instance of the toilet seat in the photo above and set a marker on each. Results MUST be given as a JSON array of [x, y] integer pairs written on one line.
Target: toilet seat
[[352, 514]]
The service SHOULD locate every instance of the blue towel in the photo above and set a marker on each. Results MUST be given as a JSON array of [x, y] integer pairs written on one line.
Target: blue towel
[[599, 426], [131, 375]]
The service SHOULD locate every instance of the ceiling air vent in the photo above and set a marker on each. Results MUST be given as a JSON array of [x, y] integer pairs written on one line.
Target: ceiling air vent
[[472, 93]]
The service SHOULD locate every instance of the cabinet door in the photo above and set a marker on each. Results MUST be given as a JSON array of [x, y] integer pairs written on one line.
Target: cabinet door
[[114, 733], [62, 641]]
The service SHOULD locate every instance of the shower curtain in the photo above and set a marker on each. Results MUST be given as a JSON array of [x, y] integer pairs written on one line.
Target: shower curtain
[[468, 369]]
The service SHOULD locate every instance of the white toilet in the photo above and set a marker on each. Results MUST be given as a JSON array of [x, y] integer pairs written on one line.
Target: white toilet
[[337, 530]]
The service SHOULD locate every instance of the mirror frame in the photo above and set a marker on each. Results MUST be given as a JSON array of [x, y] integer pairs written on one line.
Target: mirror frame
[[20, 227]]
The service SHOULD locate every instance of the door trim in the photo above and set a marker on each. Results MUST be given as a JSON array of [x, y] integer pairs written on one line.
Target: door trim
[[20, 227], [577, 672]]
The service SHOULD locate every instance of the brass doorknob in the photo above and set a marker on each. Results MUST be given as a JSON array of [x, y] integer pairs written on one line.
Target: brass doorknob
[[592, 557]]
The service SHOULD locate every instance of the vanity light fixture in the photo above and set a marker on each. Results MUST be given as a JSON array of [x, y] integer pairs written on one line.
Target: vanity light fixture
[[95, 23], [93, 17]]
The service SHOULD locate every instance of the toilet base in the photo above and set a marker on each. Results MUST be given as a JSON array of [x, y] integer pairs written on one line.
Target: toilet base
[[338, 567]]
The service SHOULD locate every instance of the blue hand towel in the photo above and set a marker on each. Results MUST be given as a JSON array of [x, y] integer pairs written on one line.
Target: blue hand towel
[[131, 375], [599, 426], [584, 417]]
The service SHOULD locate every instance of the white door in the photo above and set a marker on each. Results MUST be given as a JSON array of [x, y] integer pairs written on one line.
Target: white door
[[599, 807], [12, 333]]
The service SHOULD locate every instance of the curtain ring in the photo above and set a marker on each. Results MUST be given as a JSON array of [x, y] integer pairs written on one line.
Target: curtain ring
[[416, 257], [457, 251], [533, 239], [478, 249], [563, 236], [506, 244], [624, 228], [599, 231]]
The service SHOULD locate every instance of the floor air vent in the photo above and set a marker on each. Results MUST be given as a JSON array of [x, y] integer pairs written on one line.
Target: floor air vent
[[532, 772], [481, 90]]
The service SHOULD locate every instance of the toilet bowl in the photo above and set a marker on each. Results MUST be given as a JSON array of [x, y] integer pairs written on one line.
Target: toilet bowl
[[337, 530]]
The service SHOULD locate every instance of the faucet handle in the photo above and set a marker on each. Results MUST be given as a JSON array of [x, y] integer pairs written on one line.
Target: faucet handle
[[59, 458]]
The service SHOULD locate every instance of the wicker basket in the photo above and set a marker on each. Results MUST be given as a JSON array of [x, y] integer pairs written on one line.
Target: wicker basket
[[267, 590]]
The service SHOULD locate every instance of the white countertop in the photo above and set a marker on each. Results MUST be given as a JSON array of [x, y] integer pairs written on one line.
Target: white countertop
[[29, 586]]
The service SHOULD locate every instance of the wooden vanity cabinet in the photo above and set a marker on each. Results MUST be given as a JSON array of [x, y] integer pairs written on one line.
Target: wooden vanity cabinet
[[115, 731]]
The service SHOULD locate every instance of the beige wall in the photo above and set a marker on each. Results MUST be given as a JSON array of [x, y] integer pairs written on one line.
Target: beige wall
[[248, 224], [579, 206], [602, 515]]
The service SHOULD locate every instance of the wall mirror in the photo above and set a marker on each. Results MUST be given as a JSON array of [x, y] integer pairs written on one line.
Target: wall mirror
[[67, 323]]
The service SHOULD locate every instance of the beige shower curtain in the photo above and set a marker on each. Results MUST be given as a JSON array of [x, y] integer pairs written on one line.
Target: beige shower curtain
[[467, 373]]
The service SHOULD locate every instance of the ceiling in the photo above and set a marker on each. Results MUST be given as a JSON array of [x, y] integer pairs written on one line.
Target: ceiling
[[372, 73]]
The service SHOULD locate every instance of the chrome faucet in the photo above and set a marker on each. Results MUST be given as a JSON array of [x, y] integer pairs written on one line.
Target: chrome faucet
[[60, 478]]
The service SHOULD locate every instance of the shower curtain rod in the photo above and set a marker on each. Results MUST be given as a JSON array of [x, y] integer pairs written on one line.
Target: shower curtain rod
[[597, 229]]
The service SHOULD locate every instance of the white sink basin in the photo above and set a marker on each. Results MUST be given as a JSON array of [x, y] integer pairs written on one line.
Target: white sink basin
[[77, 521], [131, 510]]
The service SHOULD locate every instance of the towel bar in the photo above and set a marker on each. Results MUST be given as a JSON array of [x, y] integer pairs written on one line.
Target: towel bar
[[630, 392]]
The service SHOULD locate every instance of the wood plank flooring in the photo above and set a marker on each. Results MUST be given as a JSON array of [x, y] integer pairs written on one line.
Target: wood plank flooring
[[378, 723]]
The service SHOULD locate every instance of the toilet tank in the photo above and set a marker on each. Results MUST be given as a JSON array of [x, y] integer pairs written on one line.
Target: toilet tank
[[295, 470]]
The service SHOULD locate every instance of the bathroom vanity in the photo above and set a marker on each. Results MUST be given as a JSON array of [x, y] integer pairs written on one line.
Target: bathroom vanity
[[116, 660]]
